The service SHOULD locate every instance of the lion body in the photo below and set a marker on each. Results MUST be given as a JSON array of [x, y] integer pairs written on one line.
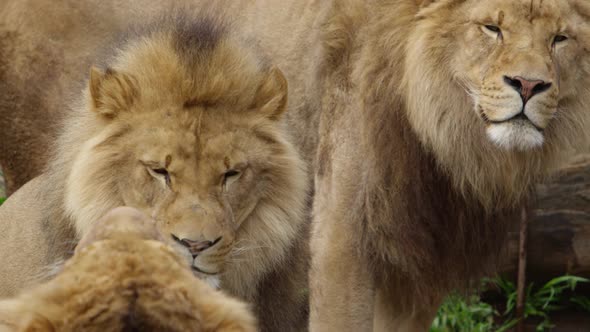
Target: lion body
[[400, 108], [185, 125], [123, 277]]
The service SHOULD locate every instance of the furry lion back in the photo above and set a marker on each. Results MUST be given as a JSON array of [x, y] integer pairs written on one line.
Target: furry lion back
[[123, 277]]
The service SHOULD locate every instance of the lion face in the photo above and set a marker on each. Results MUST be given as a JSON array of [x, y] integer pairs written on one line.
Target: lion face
[[518, 61], [197, 146], [519, 66], [200, 182]]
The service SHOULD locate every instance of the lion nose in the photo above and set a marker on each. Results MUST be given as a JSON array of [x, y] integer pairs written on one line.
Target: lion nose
[[196, 247], [527, 88]]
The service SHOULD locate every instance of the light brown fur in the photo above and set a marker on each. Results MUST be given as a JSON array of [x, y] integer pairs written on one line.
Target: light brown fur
[[412, 191], [189, 99], [124, 277]]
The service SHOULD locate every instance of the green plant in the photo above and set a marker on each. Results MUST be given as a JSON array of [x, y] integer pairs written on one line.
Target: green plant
[[2, 199], [460, 314], [582, 302], [551, 297]]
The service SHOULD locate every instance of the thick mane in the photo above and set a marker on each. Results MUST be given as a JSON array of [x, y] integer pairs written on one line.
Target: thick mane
[[421, 133], [165, 53], [184, 112], [205, 70], [440, 110]]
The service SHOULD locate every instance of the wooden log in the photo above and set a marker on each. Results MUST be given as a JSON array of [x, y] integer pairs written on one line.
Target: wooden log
[[559, 229]]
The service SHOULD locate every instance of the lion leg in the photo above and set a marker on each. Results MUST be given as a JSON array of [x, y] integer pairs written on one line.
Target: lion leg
[[392, 316], [341, 285]]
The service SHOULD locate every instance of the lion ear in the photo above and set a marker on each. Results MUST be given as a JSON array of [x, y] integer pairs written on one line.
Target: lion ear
[[271, 96], [111, 92]]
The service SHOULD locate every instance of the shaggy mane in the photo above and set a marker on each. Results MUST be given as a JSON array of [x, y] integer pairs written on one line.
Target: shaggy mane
[[437, 195]]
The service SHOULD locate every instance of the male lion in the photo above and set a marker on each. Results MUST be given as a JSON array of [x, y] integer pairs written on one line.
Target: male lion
[[124, 278], [185, 125], [427, 123], [430, 122]]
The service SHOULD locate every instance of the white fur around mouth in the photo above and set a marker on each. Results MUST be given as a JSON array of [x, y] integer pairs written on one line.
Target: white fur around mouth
[[212, 279], [201, 271], [516, 134]]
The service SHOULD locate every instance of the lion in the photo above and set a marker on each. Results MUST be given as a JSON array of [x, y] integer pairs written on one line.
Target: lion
[[124, 277], [184, 123], [426, 124], [436, 120]]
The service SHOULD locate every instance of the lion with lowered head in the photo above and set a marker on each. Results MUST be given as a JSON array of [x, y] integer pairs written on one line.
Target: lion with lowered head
[[184, 124], [123, 277]]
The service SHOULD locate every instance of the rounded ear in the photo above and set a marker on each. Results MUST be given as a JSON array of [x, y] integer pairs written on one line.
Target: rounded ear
[[111, 92], [271, 96]]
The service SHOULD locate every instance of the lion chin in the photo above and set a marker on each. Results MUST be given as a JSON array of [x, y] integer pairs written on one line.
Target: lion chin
[[518, 134]]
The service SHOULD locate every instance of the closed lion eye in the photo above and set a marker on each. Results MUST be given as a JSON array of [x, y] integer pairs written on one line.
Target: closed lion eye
[[559, 39], [161, 173], [230, 173], [229, 177], [492, 30]]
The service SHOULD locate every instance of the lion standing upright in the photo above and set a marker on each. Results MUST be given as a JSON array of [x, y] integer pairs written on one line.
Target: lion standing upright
[[428, 123]]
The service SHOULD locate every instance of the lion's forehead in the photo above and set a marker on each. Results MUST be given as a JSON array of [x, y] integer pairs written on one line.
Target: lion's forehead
[[556, 12]]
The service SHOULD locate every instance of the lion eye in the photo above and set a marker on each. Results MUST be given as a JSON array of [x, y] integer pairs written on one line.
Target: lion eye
[[230, 176], [493, 28], [162, 172], [559, 39], [231, 173]]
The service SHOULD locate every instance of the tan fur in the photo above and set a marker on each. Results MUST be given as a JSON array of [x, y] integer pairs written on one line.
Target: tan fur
[[189, 97], [436, 192], [411, 194], [123, 277]]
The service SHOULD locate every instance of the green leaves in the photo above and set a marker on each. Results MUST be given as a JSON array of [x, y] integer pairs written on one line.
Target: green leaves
[[458, 314], [2, 199]]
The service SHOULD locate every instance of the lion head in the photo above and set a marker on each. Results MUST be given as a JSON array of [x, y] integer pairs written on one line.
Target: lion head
[[499, 87], [185, 125], [124, 277]]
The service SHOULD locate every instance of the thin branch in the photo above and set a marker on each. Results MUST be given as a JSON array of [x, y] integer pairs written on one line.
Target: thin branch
[[521, 286]]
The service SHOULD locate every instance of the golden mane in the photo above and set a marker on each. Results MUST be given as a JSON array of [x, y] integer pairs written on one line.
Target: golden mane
[[175, 110], [419, 130]]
